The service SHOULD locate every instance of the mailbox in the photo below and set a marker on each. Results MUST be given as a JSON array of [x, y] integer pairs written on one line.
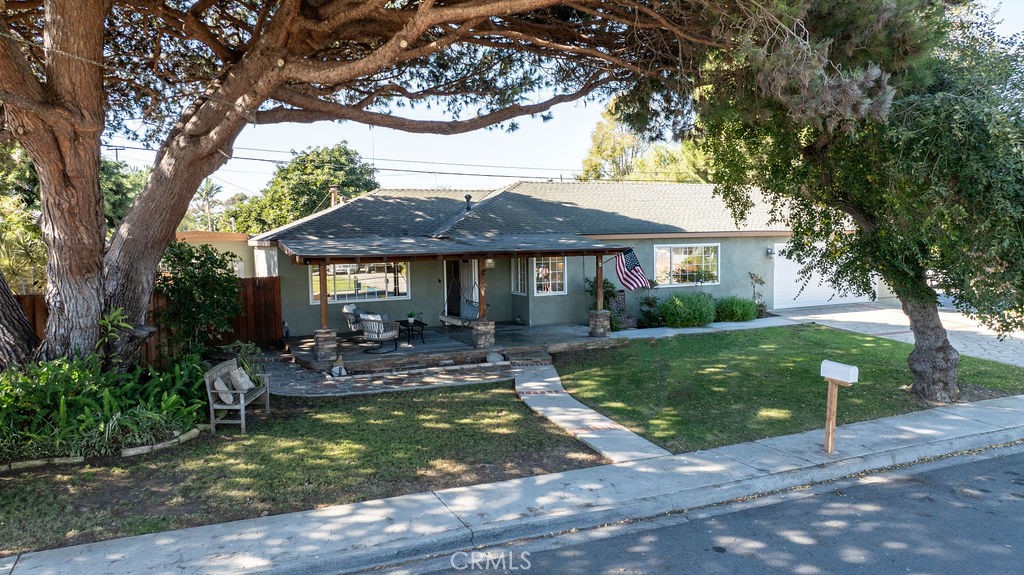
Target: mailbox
[[839, 371], [836, 374]]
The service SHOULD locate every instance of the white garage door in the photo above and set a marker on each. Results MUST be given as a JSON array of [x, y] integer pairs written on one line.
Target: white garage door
[[787, 284]]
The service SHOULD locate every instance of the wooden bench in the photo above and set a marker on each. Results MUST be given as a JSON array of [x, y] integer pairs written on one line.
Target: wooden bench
[[239, 400]]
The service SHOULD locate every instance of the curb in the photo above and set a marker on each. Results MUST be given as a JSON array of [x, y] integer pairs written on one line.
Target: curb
[[368, 535], [682, 501]]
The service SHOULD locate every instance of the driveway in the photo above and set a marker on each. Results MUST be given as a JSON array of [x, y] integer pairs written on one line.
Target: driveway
[[884, 318]]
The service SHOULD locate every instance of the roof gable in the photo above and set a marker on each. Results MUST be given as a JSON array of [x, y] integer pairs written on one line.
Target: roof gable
[[385, 213]]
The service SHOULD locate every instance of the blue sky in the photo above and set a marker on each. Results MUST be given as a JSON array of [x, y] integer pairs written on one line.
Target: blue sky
[[553, 149]]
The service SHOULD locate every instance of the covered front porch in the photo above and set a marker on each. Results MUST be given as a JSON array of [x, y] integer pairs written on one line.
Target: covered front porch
[[444, 346]]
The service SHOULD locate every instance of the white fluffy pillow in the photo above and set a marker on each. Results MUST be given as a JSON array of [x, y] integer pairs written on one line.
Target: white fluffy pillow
[[370, 316], [222, 391], [240, 380]]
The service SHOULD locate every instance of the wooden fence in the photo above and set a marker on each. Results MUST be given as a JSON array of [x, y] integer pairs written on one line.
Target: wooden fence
[[260, 320]]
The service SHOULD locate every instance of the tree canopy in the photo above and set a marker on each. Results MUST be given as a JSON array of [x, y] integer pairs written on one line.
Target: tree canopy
[[196, 73], [931, 198], [618, 152], [302, 187]]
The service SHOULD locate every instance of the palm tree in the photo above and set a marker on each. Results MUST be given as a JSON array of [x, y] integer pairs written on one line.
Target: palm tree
[[206, 200]]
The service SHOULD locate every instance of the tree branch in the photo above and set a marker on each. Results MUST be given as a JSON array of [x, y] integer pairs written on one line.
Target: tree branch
[[310, 110]]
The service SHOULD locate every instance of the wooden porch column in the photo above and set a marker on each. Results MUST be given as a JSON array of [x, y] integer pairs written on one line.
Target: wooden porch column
[[600, 318], [324, 316], [481, 265]]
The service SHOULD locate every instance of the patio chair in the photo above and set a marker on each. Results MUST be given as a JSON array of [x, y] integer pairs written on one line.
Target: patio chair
[[380, 332]]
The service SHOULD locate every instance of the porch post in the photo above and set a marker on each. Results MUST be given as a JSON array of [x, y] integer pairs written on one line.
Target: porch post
[[483, 330], [324, 316], [600, 318], [481, 264]]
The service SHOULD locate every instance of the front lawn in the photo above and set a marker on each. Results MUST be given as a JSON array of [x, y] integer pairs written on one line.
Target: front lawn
[[694, 392], [306, 454]]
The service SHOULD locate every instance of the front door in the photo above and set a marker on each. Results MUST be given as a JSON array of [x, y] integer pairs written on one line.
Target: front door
[[453, 288]]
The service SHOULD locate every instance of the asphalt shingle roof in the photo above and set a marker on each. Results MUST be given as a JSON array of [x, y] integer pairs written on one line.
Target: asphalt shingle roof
[[595, 208], [394, 247], [522, 218], [384, 213]]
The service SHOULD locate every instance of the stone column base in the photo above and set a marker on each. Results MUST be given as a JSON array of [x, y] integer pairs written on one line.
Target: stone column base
[[483, 334], [325, 345], [600, 323]]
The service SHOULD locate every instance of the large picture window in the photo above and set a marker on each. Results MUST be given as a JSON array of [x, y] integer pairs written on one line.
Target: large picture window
[[361, 282], [520, 276], [549, 276], [686, 264]]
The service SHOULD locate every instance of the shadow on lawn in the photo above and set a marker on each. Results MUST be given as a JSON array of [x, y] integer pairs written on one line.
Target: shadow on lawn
[[700, 391], [304, 454]]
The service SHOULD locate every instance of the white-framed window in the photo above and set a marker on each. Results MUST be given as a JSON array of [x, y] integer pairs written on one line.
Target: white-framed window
[[549, 276], [361, 282], [687, 264], [520, 276]]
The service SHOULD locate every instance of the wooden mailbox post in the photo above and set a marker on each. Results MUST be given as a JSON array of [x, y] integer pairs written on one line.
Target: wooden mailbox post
[[836, 374]]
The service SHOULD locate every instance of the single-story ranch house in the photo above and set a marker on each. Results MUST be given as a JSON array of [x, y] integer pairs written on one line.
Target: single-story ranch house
[[522, 253]]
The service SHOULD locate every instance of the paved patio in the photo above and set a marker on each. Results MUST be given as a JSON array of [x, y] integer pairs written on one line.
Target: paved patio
[[291, 380], [884, 318], [448, 345]]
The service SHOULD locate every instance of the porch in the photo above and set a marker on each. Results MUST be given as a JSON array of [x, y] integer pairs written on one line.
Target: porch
[[443, 346]]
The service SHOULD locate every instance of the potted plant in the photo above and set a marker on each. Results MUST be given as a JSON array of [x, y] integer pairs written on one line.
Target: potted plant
[[412, 316]]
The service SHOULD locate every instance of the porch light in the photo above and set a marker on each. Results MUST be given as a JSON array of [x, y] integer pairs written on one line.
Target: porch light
[[770, 252]]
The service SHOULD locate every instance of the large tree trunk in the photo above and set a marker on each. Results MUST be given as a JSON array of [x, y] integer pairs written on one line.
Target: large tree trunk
[[72, 225], [17, 340], [61, 132], [934, 361], [200, 143]]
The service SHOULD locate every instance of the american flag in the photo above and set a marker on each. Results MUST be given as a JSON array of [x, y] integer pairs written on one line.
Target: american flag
[[631, 275]]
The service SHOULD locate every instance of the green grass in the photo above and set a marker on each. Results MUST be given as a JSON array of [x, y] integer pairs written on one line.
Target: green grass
[[306, 454], [701, 391]]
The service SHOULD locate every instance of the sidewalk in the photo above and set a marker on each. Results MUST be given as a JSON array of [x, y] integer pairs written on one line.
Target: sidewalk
[[360, 535]]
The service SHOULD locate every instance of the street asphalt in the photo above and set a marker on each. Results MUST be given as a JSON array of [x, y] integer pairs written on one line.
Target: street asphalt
[[958, 515]]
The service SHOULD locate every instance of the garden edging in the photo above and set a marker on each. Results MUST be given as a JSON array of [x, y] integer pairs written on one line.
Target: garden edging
[[125, 452]]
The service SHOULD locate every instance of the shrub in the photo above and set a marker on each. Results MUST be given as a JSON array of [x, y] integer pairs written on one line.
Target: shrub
[[649, 314], [688, 310], [72, 407], [202, 296], [732, 308]]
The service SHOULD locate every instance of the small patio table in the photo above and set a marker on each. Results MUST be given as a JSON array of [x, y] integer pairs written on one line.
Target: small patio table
[[411, 329]]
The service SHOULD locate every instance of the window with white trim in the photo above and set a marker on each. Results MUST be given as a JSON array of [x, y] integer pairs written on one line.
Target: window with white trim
[[361, 282], [688, 264], [549, 276], [520, 276]]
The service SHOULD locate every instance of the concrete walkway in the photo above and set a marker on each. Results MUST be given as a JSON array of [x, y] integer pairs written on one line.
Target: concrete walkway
[[360, 535], [884, 318], [541, 389]]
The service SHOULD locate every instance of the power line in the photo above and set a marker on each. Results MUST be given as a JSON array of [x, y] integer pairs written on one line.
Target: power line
[[430, 172], [400, 170], [459, 164]]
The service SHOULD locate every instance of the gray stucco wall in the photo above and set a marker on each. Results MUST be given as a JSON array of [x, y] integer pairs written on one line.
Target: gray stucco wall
[[426, 290], [737, 257]]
